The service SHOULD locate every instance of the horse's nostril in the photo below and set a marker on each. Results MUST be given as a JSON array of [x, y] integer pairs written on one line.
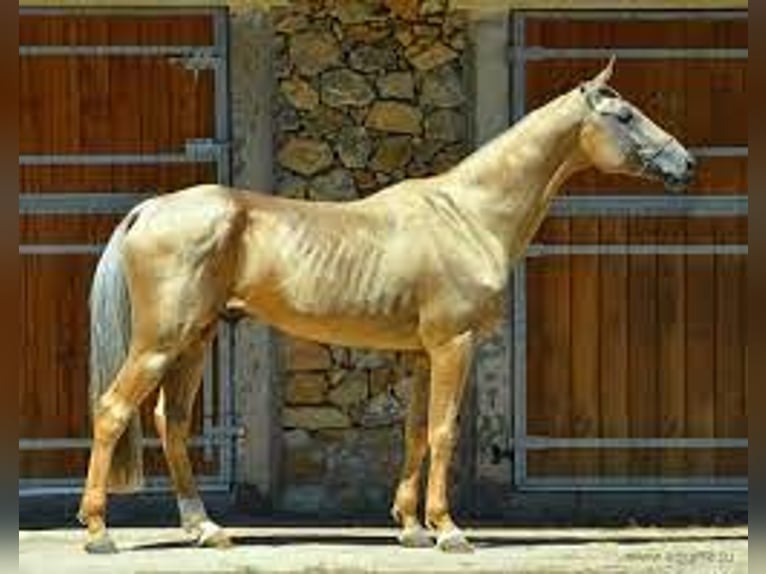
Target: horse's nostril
[[690, 164]]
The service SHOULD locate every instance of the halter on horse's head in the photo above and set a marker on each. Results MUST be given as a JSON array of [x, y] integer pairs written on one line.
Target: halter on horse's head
[[617, 137]]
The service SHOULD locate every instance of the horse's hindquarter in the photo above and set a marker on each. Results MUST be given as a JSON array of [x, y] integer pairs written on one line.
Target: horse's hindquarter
[[339, 273]]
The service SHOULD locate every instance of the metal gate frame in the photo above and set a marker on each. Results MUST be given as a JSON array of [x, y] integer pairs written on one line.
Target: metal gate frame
[[594, 206], [215, 438]]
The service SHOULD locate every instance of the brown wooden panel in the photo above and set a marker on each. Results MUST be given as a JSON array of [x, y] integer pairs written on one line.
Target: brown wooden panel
[[671, 323], [575, 462], [57, 92], [53, 229], [586, 341], [643, 344], [549, 345], [663, 231], [53, 375], [637, 34], [731, 348], [701, 102], [74, 463], [116, 178], [98, 30], [700, 354], [613, 356]]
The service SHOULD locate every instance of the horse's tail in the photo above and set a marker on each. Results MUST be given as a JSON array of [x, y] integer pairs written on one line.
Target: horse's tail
[[110, 331]]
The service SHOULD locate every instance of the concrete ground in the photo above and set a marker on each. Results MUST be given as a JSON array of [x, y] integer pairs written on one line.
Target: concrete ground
[[326, 550]]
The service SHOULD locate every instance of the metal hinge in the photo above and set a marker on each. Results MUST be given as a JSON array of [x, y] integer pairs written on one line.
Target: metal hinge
[[205, 149]]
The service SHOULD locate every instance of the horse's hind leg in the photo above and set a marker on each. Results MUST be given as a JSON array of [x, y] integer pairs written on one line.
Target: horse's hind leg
[[172, 416], [138, 376], [405, 508]]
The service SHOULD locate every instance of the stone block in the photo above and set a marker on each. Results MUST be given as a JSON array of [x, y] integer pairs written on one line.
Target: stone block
[[394, 117], [397, 85], [340, 88], [337, 185], [305, 388], [431, 57], [314, 418], [393, 153], [353, 390], [304, 355], [305, 156], [314, 51], [299, 94]]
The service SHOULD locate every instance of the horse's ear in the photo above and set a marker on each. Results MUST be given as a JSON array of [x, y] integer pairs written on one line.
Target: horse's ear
[[605, 74]]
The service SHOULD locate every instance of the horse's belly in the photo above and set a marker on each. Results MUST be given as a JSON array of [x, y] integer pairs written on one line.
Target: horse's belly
[[384, 331]]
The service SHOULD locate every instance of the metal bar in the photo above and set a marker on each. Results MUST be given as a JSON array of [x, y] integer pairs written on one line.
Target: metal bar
[[225, 396], [633, 484], [642, 14], [217, 435], [105, 159], [720, 151], [87, 10], [207, 402], [539, 249], [549, 443], [50, 487], [520, 372], [518, 73], [222, 112], [123, 50], [650, 206], [60, 249], [78, 203], [537, 53]]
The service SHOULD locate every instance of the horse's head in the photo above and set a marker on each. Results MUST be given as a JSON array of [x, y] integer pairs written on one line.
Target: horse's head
[[618, 138]]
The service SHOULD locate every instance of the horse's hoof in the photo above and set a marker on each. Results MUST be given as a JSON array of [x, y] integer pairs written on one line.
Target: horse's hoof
[[415, 537], [101, 545], [213, 536], [453, 541]]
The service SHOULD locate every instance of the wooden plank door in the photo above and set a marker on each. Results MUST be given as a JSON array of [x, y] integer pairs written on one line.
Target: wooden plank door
[[107, 106], [646, 344]]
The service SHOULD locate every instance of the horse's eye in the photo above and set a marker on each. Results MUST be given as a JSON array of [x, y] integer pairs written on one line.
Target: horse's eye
[[625, 116]]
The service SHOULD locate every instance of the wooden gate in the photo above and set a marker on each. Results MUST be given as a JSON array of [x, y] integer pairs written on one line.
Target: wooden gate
[[114, 105], [629, 316]]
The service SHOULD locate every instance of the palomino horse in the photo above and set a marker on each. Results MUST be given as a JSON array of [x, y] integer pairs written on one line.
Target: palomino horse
[[420, 266]]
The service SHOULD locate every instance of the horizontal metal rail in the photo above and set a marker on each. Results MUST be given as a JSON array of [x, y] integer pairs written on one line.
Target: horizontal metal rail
[[105, 159], [131, 11], [214, 436], [78, 203], [637, 15], [720, 151], [633, 484], [596, 443], [650, 205], [543, 249], [537, 53], [60, 249], [58, 486], [210, 52]]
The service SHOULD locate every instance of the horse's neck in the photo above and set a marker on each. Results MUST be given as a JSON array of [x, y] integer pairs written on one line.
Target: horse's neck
[[509, 183]]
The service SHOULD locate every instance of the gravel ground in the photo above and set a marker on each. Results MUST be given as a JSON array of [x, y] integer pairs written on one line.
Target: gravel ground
[[373, 551]]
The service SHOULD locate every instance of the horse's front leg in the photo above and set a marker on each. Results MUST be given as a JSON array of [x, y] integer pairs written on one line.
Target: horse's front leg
[[172, 417], [405, 508], [449, 369]]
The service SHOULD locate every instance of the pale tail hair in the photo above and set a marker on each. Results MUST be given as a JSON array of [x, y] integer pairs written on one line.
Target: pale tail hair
[[110, 332]]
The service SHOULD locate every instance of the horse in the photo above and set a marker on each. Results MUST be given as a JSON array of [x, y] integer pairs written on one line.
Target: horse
[[419, 267]]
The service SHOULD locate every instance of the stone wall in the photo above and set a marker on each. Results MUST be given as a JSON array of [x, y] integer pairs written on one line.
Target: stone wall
[[368, 92]]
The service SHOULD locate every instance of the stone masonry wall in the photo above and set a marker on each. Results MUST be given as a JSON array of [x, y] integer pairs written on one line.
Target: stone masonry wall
[[368, 92]]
